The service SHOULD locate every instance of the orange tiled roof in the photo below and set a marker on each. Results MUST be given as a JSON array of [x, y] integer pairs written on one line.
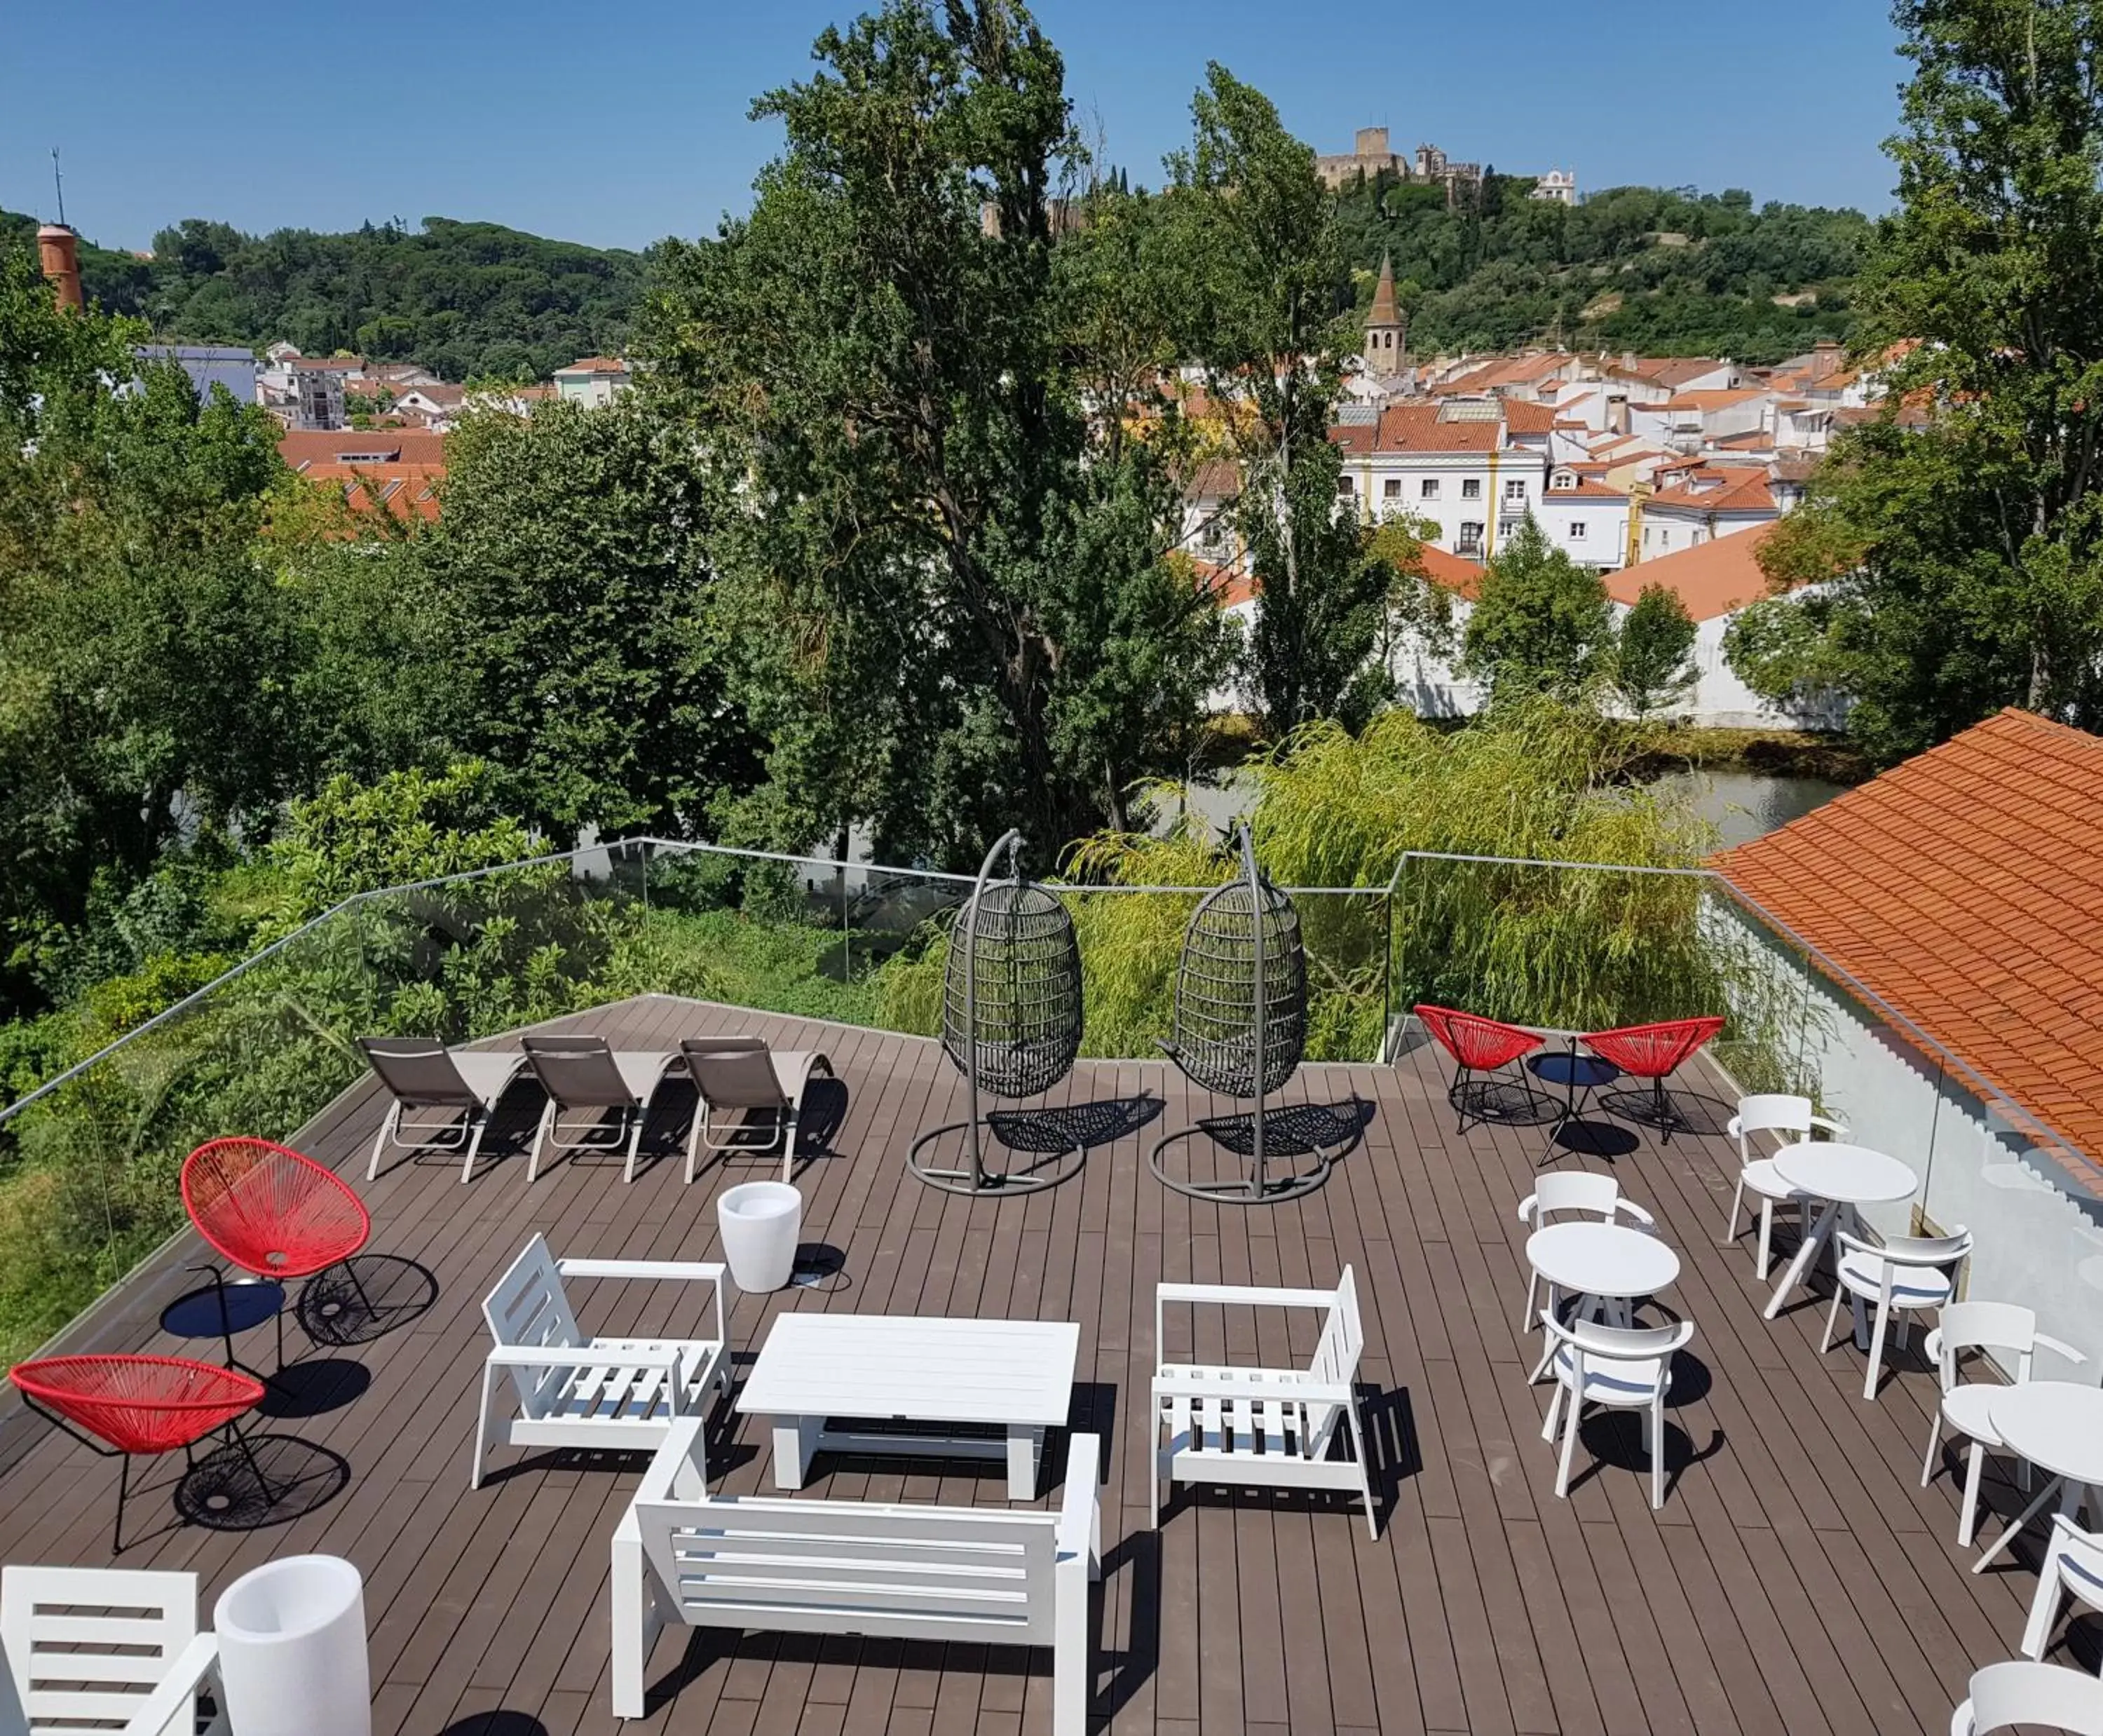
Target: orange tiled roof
[[1715, 400], [402, 446], [1587, 488], [1449, 572], [1962, 888], [1416, 427], [1741, 490], [1524, 418], [594, 365], [406, 490], [1712, 578]]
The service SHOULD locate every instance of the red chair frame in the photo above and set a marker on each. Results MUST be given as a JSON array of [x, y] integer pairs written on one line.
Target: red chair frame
[[1477, 1044], [1654, 1052], [123, 1407], [267, 1210]]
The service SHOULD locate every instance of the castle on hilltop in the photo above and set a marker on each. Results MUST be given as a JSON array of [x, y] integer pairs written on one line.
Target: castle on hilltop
[[1371, 155]]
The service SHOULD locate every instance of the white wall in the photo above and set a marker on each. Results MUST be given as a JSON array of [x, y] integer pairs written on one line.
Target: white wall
[[2038, 1226]]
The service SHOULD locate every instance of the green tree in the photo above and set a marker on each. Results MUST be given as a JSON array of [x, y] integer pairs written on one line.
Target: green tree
[[1966, 534], [142, 643], [1542, 623], [1264, 289], [950, 595], [570, 554], [1653, 661]]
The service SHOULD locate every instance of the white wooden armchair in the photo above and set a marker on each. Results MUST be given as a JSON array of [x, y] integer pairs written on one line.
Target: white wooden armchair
[[573, 1391], [1240, 1427], [136, 1669]]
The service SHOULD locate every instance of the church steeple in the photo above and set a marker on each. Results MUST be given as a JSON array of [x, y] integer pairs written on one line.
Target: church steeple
[[1386, 332]]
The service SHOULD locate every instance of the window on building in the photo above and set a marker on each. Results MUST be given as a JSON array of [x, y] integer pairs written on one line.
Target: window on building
[[1343, 485], [1471, 487], [1471, 539], [1515, 491], [1391, 489], [1428, 489], [1563, 479], [1507, 526], [1576, 530]]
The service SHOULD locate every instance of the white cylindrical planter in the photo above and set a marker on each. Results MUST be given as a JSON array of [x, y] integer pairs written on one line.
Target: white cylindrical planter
[[761, 1223], [292, 1649]]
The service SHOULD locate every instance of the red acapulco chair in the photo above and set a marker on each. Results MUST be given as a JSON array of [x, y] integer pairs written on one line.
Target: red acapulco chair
[[270, 1212], [1477, 1044], [1653, 1052], [122, 1407]]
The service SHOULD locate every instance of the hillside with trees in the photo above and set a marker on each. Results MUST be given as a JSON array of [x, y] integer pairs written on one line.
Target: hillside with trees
[[1660, 272], [467, 300]]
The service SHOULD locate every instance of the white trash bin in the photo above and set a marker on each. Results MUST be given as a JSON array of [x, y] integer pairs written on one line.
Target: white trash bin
[[762, 1221], [292, 1649]]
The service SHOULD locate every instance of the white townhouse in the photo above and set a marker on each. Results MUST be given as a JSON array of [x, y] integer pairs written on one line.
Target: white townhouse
[[1584, 518], [1450, 465]]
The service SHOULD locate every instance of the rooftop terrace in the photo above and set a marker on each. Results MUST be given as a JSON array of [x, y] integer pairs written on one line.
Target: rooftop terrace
[[1797, 1579]]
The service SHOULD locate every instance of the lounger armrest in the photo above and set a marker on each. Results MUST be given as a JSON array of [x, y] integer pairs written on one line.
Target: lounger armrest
[[1838, 1130], [1245, 1293], [1629, 1209], [1229, 1386], [1078, 1501], [174, 1698], [583, 1355], [2058, 1347], [703, 1272]]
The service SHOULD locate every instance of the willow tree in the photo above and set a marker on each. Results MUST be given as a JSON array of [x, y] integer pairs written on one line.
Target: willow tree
[[951, 600]]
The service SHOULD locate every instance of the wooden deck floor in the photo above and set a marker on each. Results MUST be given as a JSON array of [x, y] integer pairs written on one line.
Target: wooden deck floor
[[1798, 1578]]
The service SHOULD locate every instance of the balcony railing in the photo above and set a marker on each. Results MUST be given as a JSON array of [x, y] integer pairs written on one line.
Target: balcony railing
[[87, 1160]]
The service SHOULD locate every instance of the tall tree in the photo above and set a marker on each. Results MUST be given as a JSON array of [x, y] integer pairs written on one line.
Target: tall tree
[[570, 554], [949, 619], [1265, 289], [1542, 624], [1965, 524], [141, 641], [1653, 661]]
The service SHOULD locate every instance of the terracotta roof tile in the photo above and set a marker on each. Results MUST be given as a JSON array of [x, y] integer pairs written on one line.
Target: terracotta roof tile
[[1963, 887], [1712, 578]]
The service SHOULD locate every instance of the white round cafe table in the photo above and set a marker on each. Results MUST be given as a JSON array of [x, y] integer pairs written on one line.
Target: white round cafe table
[[1843, 1176], [1601, 1263], [2057, 1425]]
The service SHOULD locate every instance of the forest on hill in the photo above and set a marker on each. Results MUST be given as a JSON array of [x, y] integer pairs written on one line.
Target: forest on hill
[[468, 301], [1658, 271]]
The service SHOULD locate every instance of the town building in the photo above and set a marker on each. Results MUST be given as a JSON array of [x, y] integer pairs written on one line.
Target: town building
[[1953, 908], [1560, 185], [1450, 465], [592, 381], [1385, 349]]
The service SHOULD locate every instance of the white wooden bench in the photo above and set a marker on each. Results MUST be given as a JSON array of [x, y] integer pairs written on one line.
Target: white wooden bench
[[1240, 1428], [963, 1574], [618, 1395]]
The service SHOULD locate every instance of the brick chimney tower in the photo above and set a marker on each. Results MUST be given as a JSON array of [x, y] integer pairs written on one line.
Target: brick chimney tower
[[58, 249]]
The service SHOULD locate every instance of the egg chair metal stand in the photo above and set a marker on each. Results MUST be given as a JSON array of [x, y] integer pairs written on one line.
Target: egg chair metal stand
[[1240, 1031], [1012, 1011]]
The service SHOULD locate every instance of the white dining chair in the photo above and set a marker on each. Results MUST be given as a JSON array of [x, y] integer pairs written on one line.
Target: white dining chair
[[1906, 1274], [1966, 1406], [1573, 1193], [1773, 1112], [2072, 1568], [1619, 1368], [2040, 1695]]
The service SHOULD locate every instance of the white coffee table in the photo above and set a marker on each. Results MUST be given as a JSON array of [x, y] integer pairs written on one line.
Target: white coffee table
[[816, 1367], [2057, 1425], [1605, 1265], [1844, 1177]]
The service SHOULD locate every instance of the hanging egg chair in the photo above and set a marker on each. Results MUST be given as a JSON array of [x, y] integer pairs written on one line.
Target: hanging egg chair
[[1241, 1029], [1011, 1012]]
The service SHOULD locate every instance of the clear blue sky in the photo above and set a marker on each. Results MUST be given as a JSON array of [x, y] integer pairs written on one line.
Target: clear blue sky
[[618, 123]]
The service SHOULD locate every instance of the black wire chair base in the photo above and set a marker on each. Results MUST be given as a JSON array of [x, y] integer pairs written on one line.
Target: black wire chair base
[[1289, 1138], [1046, 1169]]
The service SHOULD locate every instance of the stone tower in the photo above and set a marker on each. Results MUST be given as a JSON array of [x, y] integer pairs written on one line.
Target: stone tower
[[1387, 334]]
